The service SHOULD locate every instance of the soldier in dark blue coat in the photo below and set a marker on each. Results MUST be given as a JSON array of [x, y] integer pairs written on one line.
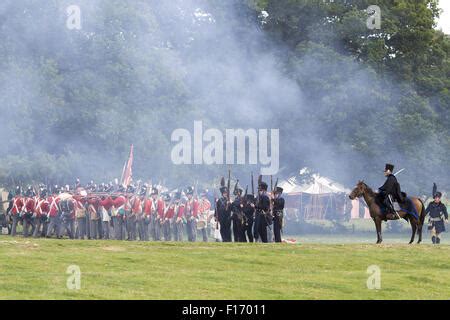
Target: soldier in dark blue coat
[[438, 214], [249, 214], [278, 208], [223, 207], [237, 215], [262, 211]]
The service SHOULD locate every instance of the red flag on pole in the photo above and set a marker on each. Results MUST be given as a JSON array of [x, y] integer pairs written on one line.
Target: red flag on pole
[[127, 172]]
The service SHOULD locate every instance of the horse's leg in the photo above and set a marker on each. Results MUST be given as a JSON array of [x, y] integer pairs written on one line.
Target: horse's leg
[[413, 222], [378, 227], [421, 221], [419, 230]]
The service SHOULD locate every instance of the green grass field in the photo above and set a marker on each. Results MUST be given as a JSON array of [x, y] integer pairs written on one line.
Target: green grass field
[[36, 269]]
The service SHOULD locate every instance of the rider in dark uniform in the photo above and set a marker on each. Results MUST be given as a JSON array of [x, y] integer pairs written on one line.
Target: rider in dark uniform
[[390, 191], [438, 213], [278, 207]]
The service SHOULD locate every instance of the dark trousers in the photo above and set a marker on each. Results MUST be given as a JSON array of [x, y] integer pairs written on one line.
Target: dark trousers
[[131, 227], [81, 228], [277, 224], [105, 229], [118, 227], [248, 230], [93, 229], [100, 228], [15, 221], [53, 226], [260, 228], [27, 223], [142, 229], [238, 230], [166, 231], [88, 226], [205, 234], [225, 229], [191, 228], [40, 227], [68, 226], [178, 231], [158, 230]]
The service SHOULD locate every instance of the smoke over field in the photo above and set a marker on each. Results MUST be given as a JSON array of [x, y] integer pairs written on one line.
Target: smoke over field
[[346, 99]]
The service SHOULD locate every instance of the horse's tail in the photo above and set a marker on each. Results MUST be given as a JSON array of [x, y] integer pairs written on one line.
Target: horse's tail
[[422, 213]]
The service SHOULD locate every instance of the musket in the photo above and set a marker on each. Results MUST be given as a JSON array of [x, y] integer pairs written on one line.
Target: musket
[[216, 215], [228, 188], [253, 187]]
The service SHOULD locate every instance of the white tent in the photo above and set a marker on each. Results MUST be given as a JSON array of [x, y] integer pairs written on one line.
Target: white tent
[[319, 198], [318, 185]]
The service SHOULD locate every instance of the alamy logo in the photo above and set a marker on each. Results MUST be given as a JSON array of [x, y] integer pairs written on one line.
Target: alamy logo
[[73, 21], [211, 146], [74, 279]]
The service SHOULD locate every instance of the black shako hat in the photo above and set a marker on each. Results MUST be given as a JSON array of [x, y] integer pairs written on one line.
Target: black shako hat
[[223, 190], [250, 197], [389, 167], [262, 186], [279, 190], [190, 190]]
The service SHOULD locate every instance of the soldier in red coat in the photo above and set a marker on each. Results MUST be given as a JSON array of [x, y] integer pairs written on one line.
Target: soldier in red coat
[[142, 226], [40, 215], [106, 204], [16, 210], [28, 211], [118, 216], [53, 215], [149, 218], [169, 213], [136, 208], [179, 217], [204, 208], [160, 208], [191, 213]]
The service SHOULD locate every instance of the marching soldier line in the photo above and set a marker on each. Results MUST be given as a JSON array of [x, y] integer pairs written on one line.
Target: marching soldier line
[[144, 213]]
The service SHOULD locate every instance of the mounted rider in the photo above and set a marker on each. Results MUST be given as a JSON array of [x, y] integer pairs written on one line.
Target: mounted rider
[[390, 191]]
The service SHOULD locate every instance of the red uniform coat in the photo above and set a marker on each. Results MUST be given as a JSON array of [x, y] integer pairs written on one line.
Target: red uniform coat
[[53, 204], [148, 207], [180, 210], [160, 207], [17, 205], [42, 208]]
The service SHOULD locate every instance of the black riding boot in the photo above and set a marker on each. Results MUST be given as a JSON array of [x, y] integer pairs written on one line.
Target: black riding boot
[[438, 240], [433, 239]]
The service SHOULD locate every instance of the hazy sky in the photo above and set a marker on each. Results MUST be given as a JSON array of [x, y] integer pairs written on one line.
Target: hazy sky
[[444, 21]]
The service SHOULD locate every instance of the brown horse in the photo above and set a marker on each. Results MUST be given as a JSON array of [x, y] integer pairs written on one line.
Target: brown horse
[[362, 190]]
